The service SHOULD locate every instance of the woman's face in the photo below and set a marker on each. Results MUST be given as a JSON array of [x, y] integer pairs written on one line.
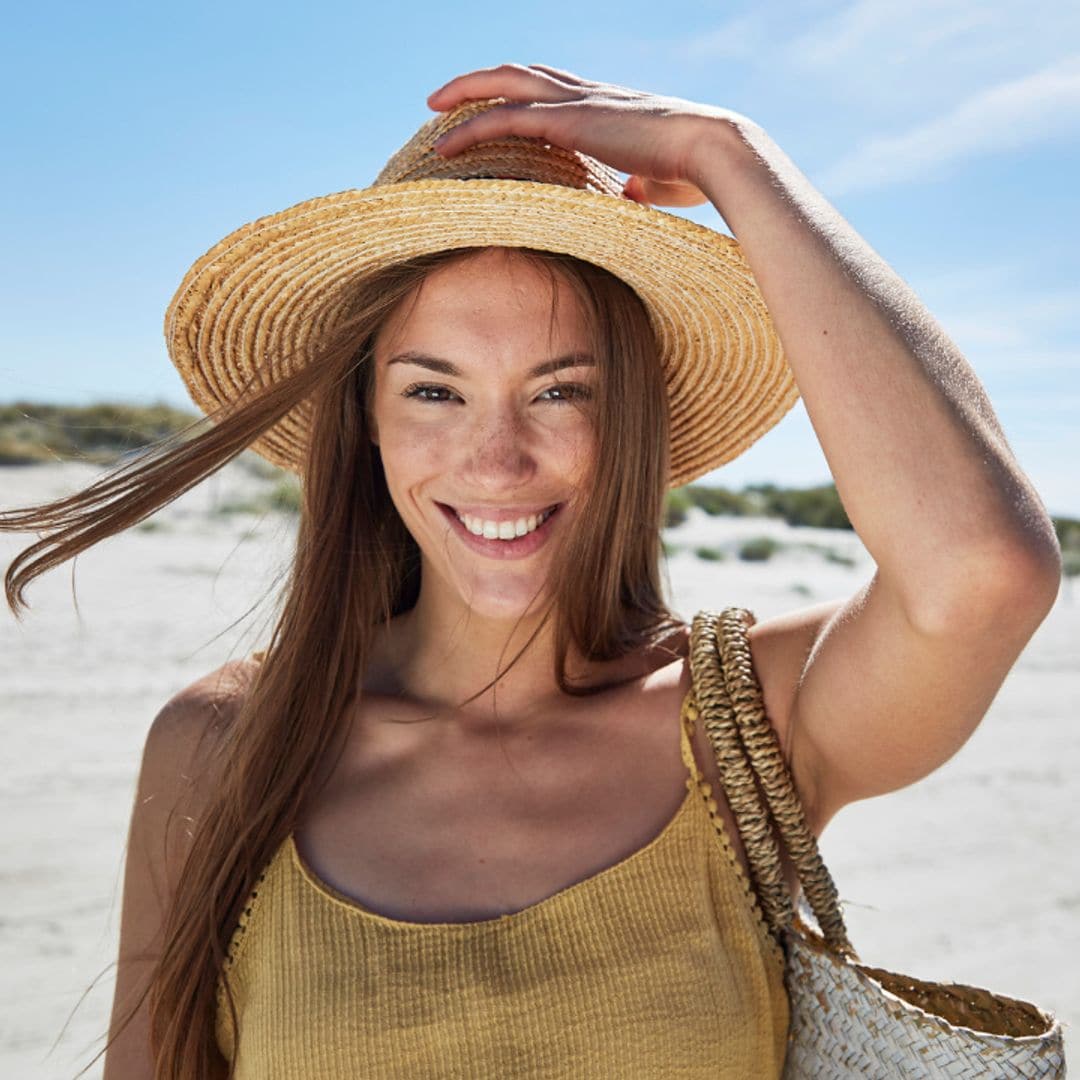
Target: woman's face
[[469, 426]]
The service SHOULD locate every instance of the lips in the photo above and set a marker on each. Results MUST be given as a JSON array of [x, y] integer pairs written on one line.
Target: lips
[[501, 515], [519, 547]]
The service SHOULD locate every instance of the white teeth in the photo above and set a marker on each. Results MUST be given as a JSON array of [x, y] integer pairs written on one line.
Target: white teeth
[[503, 530]]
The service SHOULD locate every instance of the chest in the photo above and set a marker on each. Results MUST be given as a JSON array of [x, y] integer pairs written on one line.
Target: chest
[[419, 824]]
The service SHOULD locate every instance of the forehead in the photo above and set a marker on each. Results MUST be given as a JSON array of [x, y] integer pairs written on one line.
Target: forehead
[[488, 299]]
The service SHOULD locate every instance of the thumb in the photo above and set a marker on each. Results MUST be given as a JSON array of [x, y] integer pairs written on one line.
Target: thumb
[[634, 188]]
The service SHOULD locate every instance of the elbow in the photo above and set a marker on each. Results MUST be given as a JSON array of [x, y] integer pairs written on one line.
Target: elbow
[[1018, 586]]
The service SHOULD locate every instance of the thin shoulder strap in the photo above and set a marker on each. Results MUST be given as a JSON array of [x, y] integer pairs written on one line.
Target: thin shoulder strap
[[728, 697]]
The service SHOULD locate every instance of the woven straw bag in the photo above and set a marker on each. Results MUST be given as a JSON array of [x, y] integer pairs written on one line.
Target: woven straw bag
[[847, 1019]]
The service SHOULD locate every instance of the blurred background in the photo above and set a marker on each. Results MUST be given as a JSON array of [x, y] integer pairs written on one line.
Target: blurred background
[[136, 136]]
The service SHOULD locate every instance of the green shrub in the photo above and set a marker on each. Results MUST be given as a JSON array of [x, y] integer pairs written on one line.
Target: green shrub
[[1068, 533], [715, 501], [676, 504], [709, 554], [838, 557], [99, 433], [758, 549], [285, 495], [239, 506], [818, 507]]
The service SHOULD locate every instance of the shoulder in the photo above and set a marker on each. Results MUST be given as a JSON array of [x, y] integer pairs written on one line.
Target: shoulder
[[203, 708], [194, 721], [182, 748]]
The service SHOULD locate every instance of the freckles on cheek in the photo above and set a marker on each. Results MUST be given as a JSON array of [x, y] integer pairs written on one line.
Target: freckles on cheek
[[416, 455], [578, 454]]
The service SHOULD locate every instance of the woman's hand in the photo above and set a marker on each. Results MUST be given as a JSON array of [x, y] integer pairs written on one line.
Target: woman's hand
[[654, 139]]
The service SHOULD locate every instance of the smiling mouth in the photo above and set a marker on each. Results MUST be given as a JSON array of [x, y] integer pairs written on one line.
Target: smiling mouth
[[502, 539], [504, 529]]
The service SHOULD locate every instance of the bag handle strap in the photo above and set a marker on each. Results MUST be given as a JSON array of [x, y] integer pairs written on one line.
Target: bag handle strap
[[728, 698]]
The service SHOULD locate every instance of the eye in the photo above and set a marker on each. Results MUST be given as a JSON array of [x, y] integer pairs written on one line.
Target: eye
[[576, 392], [419, 390]]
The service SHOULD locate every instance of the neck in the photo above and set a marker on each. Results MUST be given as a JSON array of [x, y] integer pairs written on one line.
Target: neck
[[442, 653], [444, 656]]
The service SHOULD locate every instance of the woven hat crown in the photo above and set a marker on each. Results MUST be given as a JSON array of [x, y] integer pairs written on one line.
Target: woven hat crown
[[512, 157]]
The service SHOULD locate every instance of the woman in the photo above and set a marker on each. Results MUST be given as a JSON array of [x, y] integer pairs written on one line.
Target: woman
[[446, 825]]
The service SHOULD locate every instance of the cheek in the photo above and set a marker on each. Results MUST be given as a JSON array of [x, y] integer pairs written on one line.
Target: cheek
[[410, 455], [577, 450]]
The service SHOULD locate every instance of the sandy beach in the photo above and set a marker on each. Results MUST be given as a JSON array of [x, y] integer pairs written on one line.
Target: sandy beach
[[972, 875]]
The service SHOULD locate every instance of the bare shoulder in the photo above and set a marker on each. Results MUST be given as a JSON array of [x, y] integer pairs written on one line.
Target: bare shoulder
[[181, 749], [202, 711]]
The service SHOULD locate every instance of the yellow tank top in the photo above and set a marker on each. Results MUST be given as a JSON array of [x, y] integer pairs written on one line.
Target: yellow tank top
[[660, 965]]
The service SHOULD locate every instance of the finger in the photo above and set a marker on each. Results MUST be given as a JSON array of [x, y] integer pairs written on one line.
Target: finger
[[528, 120], [633, 189], [557, 73], [511, 81], [662, 193]]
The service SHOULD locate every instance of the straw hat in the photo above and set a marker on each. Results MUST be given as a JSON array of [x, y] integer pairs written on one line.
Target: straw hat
[[258, 301]]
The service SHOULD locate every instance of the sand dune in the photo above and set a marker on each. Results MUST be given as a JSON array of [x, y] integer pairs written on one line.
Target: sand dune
[[971, 875]]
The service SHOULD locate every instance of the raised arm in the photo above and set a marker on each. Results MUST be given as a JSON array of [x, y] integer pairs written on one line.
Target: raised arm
[[967, 561], [919, 459], [894, 680]]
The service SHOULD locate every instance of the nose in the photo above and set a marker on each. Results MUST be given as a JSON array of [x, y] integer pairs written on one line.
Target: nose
[[498, 453]]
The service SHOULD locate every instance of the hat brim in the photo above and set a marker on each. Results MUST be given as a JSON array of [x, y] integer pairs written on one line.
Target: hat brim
[[257, 303]]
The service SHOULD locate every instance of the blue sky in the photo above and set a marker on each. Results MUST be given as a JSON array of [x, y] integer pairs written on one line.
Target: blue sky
[[136, 136]]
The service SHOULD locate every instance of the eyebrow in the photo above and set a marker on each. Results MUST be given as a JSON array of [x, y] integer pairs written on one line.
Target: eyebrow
[[444, 367]]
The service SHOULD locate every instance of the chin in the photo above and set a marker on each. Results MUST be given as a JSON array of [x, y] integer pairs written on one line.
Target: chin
[[503, 606]]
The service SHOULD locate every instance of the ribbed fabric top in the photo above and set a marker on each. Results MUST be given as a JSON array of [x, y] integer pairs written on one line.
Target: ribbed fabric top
[[660, 965]]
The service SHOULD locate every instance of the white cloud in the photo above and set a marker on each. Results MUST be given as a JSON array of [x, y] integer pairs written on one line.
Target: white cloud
[[883, 58], [887, 29], [1005, 117]]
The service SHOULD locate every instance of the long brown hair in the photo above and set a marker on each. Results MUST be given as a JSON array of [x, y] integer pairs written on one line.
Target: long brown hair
[[356, 567]]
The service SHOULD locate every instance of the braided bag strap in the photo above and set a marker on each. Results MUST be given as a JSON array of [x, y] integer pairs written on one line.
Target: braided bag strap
[[728, 696]]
